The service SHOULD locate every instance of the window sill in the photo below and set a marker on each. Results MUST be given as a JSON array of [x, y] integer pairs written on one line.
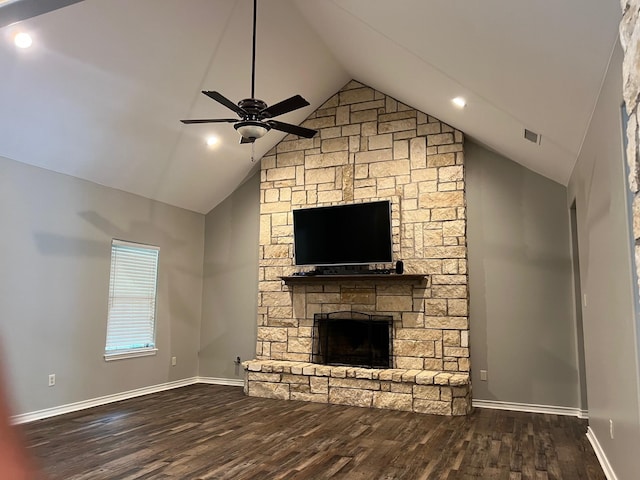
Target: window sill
[[108, 357]]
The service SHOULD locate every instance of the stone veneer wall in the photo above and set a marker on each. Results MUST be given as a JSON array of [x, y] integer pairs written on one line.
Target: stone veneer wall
[[370, 147], [630, 40]]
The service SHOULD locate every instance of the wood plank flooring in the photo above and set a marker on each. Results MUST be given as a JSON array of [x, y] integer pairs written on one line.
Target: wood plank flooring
[[215, 432]]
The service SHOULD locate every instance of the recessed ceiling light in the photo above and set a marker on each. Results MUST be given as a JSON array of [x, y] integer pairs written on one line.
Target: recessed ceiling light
[[23, 40], [212, 141], [459, 102]]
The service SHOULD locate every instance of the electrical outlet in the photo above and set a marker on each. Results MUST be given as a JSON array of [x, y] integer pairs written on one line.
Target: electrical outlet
[[611, 428], [483, 375], [584, 300], [52, 379], [174, 361]]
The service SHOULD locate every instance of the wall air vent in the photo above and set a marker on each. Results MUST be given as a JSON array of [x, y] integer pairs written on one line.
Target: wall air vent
[[532, 136]]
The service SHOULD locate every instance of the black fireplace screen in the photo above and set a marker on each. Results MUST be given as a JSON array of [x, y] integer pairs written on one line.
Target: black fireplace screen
[[353, 339]]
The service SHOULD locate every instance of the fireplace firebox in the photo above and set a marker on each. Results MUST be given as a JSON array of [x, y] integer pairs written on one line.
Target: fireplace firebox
[[352, 339]]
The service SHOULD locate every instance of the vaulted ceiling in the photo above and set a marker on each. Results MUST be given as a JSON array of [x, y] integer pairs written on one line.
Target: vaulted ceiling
[[100, 93]]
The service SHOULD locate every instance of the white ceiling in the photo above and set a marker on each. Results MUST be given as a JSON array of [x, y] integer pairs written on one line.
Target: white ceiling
[[100, 93]]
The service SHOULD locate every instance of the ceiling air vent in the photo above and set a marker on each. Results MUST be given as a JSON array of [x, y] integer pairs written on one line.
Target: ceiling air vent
[[532, 136]]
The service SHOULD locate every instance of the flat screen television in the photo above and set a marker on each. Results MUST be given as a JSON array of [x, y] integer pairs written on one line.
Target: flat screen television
[[354, 234]]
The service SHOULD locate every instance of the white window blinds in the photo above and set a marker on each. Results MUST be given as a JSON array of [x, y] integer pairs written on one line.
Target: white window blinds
[[132, 299]]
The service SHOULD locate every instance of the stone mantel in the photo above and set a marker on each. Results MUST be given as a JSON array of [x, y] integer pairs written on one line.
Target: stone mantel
[[370, 278]]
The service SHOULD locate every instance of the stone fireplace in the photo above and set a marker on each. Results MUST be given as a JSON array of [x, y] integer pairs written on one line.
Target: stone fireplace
[[369, 147]]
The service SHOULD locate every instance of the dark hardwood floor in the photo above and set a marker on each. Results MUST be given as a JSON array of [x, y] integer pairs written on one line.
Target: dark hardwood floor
[[215, 432]]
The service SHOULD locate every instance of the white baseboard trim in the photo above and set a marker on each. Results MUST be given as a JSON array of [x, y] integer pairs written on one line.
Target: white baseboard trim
[[602, 458], [531, 408], [95, 402], [231, 382], [116, 397]]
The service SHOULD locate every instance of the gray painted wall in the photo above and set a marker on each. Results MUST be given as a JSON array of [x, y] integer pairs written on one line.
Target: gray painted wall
[[56, 247], [230, 297], [610, 323], [522, 328]]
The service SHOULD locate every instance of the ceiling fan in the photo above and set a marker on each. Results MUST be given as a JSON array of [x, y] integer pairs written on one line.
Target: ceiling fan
[[255, 117]]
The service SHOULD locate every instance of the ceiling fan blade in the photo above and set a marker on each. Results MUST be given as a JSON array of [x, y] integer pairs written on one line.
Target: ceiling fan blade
[[218, 97], [295, 129], [211, 120], [247, 140], [288, 105]]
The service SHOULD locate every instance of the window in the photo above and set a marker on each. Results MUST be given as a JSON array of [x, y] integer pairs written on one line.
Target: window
[[132, 300]]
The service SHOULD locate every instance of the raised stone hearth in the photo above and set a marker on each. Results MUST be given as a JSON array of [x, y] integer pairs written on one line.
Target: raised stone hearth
[[369, 147], [419, 391]]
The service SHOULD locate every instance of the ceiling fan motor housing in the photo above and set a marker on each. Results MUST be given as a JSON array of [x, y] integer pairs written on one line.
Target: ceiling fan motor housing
[[253, 107]]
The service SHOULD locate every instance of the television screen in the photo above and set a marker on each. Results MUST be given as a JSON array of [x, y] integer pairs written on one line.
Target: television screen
[[354, 234]]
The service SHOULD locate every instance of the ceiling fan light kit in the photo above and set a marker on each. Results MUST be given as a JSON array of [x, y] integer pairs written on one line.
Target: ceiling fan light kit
[[255, 116], [250, 129]]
